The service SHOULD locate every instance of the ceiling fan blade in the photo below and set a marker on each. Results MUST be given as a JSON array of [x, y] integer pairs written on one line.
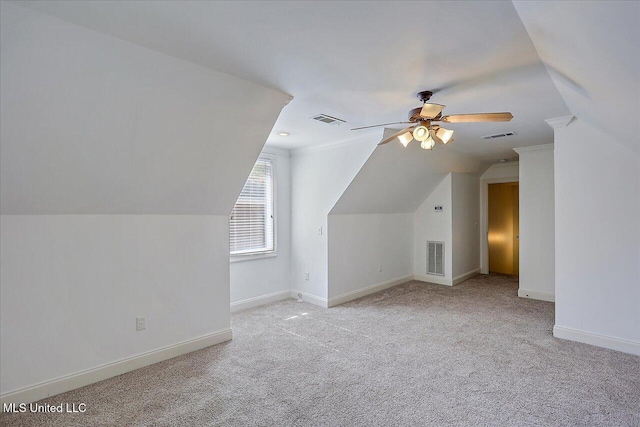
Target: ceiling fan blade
[[395, 135], [384, 124], [478, 117], [431, 111]]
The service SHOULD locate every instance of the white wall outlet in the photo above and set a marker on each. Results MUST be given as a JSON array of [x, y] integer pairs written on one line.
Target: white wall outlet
[[319, 231], [306, 276], [380, 268], [141, 324]]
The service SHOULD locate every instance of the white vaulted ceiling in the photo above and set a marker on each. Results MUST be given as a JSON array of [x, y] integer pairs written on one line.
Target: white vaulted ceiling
[[592, 50], [397, 180], [359, 61], [96, 125]]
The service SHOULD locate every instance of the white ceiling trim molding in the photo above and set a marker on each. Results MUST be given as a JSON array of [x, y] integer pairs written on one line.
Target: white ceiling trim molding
[[560, 122], [504, 165], [543, 147]]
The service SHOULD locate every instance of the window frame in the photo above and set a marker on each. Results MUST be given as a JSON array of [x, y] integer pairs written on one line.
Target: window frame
[[272, 158]]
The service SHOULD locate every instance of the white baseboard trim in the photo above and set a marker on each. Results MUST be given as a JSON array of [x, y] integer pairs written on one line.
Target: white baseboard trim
[[260, 300], [89, 376], [542, 296], [465, 276], [311, 299], [613, 343], [349, 296], [438, 280]]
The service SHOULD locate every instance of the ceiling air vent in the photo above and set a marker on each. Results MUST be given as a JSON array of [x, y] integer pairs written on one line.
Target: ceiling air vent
[[499, 135], [328, 119]]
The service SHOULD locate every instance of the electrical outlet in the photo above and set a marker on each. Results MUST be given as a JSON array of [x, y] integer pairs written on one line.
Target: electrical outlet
[[319, 231], [141, 324], [306, 276], [380, 268]]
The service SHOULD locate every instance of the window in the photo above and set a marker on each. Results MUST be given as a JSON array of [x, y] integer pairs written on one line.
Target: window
[[251, 224]]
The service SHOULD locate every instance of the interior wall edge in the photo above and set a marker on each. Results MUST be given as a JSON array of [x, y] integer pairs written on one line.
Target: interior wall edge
[[541, 296], [465, 276], [310, 298], [436, 280], [245, 304], [350, 296], [612, 343], [99, 373]]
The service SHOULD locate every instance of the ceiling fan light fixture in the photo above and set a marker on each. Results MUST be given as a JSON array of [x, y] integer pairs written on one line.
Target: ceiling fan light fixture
[[427, 133], [421, 133], [405, 138], [428, 143], [445, 135]]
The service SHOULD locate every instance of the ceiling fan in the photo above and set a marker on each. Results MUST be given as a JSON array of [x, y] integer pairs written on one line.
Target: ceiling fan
[[426, 132]]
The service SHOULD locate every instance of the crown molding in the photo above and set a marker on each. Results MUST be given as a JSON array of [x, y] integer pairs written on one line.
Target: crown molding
[[560, 122], [543, 147], [504, 164]]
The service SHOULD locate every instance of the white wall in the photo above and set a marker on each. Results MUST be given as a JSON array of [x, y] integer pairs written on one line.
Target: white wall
[[93, 126], [363, 244], [73, 285], [499, 172], [393, 182], [597, 238], [597, 183], [319, 176], [537, 231], [430, 225], [465, 212], [255, 277]]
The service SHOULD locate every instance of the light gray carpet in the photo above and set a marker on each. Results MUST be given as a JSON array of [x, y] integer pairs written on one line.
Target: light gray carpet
[[414, 355]]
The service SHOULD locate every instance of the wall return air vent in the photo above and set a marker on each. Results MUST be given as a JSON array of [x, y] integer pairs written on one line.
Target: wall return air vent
[[435, 258], [499, 135], [330, 120]]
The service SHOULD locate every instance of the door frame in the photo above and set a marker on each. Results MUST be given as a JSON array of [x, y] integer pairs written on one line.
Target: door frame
[[484, 217]]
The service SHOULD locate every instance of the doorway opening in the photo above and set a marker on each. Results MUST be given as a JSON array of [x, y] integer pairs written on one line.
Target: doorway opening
[[503, 228]]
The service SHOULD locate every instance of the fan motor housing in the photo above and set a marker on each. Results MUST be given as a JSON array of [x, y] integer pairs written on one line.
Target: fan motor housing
[[414, 115], [425, 95]]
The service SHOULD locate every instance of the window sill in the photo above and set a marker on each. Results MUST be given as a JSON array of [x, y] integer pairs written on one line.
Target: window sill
[[251, 257]]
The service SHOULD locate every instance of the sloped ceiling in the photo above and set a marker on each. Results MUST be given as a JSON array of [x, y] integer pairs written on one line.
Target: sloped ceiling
[[592, 51], [396, 179], [96, 125], [360, 61], [364, 62]]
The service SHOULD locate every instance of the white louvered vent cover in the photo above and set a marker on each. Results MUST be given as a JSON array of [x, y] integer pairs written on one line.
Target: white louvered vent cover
[[435, 258], [499, 135], [324, 118]]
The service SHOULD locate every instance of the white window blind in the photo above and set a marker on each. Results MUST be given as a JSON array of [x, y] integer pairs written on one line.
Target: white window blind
[[251, 220]]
